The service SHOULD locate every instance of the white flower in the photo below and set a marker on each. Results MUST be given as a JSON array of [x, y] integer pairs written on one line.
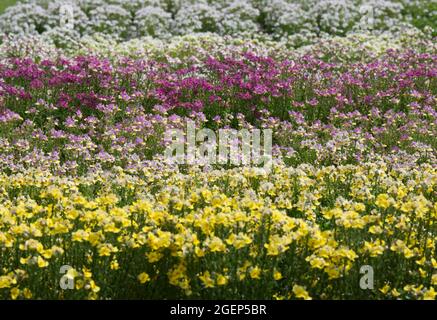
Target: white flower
[[197, 17]]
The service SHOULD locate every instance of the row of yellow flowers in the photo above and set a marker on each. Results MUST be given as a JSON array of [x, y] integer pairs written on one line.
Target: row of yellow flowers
[[300, 232]]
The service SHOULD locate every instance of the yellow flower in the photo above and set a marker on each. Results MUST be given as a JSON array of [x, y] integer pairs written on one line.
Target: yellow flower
[[374, 248], [79, 236], [86, 273], [79, 284], [360, 207], [278, 297], [408, 253], [398, 246], [107, 200], [206, 279], [385, 289], [27, 293], [375, 230], [7, 281], [216, 245], [333, 213], [41, 262], [105, 250], [154, 256], [316, 262], [143, 278], [199, 252], [422, 273], [402, 192], [255, 273], [333, 272], [15, 292], [300, 292], [277, 275], [52, 192], [272, 249], [383, 201], [222, 280], [93, 287], [162, 239], [46, 253], [206, 194], [395, 293], [72, 274], [422, 261], [239, 241]]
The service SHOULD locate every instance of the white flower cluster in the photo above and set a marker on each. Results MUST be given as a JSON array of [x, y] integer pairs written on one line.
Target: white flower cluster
[[34, 47], [153, 21], [179, 50], [298, 21]]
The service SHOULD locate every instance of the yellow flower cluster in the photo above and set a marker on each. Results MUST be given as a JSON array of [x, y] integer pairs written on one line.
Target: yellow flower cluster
[[294, 233]]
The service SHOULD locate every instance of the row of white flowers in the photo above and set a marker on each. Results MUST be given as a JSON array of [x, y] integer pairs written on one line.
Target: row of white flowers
[[297, 20], [190, 48]]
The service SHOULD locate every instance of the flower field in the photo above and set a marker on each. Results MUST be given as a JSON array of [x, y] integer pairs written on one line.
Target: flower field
[[91, 207]]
